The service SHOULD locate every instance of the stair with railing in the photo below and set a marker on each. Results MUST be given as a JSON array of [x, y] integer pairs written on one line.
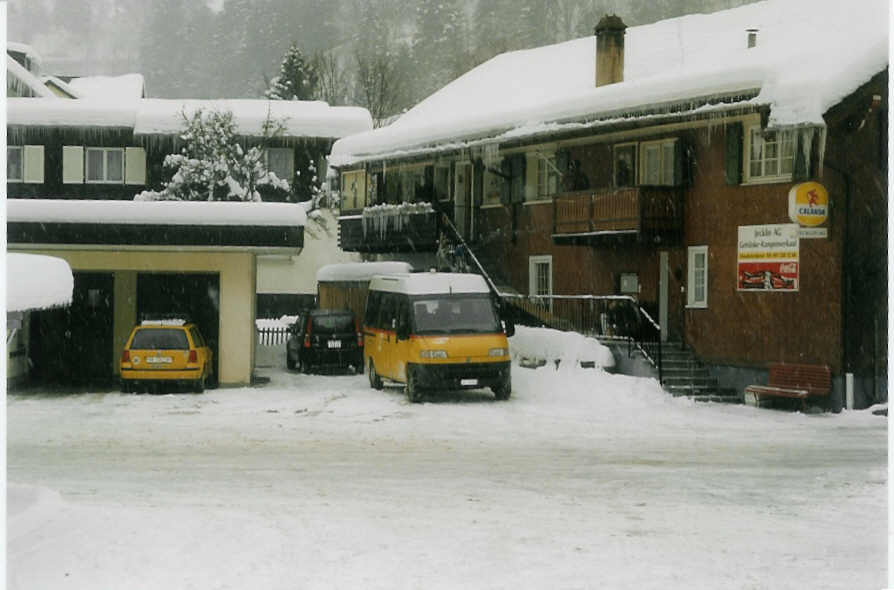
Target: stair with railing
[[683, 374]]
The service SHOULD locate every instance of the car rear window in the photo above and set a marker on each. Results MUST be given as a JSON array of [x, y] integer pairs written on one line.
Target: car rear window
[[332, 323], [162, 338]]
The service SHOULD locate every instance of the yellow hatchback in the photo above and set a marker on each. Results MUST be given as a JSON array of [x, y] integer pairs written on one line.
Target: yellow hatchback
[[166, 351]]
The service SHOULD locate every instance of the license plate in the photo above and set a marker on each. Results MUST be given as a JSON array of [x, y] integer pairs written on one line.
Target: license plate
[[159, 359], [335, 344], [465, 382]]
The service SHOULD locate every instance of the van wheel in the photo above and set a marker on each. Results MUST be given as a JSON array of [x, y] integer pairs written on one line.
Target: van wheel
[[413, 393], [503, 390], [374, 380]]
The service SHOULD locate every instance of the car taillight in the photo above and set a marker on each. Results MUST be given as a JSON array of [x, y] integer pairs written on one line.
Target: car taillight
[[193, 356], [125, 356], [359, 333], [307, 333]]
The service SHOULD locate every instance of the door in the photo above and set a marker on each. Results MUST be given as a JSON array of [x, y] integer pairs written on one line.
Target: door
[[88, 337], [462, 209]]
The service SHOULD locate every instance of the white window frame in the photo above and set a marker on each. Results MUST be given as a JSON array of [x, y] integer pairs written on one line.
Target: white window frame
[[692, 278], [547, 176], [665, 162], [105, 165], [21, 150], [291, 151], [533, 262], [781, 136]]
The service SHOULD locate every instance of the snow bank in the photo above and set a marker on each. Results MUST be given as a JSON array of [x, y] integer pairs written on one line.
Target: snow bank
[[37, 282], [28, 507], [570, 348], [154, 212], [668, 62], [301, 118], [126, 87], [361, 271]]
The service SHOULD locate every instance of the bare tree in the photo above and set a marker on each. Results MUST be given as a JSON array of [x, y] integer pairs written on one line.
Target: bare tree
[[332, 80]]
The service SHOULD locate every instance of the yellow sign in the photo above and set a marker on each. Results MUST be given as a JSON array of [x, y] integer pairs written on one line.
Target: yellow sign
[[808, 204]]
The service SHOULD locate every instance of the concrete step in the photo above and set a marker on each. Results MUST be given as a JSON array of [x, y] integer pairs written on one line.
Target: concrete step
[[717, 398], [690, 390], [705, 381]]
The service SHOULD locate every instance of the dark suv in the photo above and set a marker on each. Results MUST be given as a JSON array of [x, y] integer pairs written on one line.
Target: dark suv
[[325, 338]]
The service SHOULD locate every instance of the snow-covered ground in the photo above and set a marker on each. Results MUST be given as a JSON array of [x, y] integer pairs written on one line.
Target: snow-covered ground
[[581, 480]]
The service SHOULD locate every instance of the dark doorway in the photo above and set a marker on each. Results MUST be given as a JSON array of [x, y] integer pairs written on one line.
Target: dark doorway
[[193, 294], [74, 345]]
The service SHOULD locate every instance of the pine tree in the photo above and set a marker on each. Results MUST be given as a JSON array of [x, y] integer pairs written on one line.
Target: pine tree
[[297, 79], [213, 166]]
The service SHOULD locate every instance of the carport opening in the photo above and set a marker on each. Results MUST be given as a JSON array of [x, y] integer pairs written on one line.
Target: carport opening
[[196, 295]]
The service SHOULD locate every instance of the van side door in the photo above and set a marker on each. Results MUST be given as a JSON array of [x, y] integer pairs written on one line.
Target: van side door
[[386, 334], [402, 347]]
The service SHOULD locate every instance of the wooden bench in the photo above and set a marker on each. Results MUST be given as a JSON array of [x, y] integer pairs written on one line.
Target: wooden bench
[[793, 381]]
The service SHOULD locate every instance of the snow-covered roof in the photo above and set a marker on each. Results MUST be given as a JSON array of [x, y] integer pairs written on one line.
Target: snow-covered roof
[[154, 212], [61, 85], [115, 88], [162, 116], [25, 49], [26, 79], [361, 271], [37, 282], [56, 112], [424, 283], [300, 118], [810, 54]]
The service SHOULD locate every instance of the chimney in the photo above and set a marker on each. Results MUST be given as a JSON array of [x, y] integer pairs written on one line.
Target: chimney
[[610, 50], [752, 37]]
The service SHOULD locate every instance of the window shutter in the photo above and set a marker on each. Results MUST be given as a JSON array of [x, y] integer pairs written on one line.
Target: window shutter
[[733, 170], [33, 164], [518, 177], [803, 149], [134, 165], [72, 164], [679, 151], [478, 181], [506, 184]]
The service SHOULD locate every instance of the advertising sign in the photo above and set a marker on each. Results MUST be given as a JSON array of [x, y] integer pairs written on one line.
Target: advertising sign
[[768, 257], [808, 204]]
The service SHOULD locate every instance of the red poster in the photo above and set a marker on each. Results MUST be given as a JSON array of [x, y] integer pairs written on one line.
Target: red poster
[[768, 276]]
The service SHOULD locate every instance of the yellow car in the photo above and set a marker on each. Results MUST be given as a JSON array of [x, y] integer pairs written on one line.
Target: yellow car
[[166, 351]]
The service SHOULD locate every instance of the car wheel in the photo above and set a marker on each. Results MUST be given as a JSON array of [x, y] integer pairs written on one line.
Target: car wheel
[[414, 395], [199, 385], [304, 366], [125, 386], [374, 380], [503, 390], [290, 364]]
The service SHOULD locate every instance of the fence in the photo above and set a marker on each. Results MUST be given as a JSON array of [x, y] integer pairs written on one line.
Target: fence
[[272, 336]]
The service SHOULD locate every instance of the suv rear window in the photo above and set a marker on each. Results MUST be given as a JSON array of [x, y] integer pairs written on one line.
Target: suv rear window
[[332, 323], [162, 338]]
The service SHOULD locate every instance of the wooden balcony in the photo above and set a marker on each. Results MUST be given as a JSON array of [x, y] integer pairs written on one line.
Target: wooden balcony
[[409, 232], [640, 212]]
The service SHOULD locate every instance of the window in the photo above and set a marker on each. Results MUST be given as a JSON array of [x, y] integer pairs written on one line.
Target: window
[[281, 162], [697, 283], [771, 154], [442, 182], [625, 164], [15, 164], [493, 187], [105, 165], [547, 177], [657, 165], [540, 277]]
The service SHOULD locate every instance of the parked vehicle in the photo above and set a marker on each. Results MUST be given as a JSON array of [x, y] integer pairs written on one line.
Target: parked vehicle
[[166, 351], [325, 338], [435, 331]]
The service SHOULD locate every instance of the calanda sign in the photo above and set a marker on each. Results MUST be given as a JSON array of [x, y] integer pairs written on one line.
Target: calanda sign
[[808, 204]]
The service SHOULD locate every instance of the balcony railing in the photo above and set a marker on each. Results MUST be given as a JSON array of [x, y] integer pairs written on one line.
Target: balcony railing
[[388, 229], [635, 210]]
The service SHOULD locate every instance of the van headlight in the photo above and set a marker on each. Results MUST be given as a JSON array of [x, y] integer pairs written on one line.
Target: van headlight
[[498, 352], [433, 354]]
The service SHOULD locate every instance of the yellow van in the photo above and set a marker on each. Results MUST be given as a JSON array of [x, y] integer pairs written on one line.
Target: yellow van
[[435, 331]]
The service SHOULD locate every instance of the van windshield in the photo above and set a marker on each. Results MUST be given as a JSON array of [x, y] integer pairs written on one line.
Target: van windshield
[[452, 314]]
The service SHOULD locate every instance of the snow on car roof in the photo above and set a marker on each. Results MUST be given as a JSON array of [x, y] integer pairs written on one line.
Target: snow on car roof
[[301, 118], [154, 212], [423, 283], [37, 282], [361, 271], [810, 54]]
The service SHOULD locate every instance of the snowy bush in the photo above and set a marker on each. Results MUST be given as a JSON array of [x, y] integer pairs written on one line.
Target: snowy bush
[[213, 166], [569, 348]]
